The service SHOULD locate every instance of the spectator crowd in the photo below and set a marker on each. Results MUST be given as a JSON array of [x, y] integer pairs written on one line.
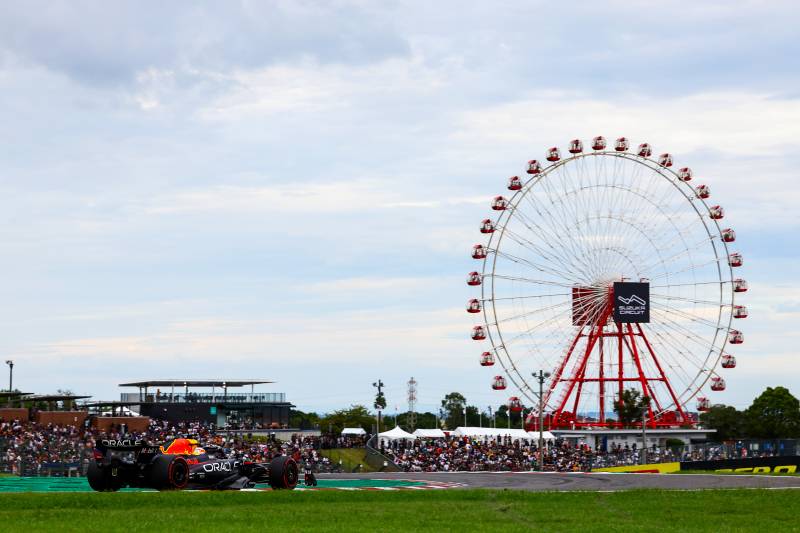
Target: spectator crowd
[[28, 448], [475, 454]]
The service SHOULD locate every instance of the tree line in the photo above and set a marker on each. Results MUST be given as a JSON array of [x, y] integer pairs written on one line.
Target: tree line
[[774, 414]]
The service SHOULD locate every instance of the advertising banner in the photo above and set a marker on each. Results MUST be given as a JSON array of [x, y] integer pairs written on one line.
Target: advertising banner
[[749, 465]]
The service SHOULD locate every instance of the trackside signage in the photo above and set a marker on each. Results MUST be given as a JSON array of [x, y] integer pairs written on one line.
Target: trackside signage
[[631, 302], [751, 465]]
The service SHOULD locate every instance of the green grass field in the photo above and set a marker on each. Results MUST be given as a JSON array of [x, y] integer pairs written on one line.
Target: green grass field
[[351, 457], [430, 510]]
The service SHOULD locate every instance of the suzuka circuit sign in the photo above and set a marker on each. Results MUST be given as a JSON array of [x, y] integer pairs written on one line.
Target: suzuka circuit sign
[[631, 302]]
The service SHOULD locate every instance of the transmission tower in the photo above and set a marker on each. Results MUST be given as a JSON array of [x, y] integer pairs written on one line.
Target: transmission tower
[[412, 404]]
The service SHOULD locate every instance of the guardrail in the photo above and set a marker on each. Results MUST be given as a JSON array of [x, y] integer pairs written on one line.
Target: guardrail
[[377, 460]]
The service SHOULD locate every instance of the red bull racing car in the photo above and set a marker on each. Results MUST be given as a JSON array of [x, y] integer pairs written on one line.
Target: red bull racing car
[[183, 464]]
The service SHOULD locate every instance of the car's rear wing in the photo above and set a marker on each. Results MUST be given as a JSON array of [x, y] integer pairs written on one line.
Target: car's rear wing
[[121, 444]]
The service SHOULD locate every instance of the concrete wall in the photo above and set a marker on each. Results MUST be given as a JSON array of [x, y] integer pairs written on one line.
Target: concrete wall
[[134, 423], [13, 413], [62, 418]]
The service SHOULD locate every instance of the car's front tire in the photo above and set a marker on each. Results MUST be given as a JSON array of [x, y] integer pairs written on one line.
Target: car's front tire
[[283, 473]]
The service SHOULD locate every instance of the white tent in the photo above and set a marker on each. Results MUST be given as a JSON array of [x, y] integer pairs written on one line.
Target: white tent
[[493, 433], [546, 435], [429, 433], [353, 431], [395, 434]]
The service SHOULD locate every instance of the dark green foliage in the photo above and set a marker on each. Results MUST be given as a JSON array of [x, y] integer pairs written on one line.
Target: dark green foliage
[[630, 405], [774, 414], [354, 417], [727, 420]]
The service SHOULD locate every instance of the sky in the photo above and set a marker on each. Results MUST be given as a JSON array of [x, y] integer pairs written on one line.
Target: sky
[[289, 190]]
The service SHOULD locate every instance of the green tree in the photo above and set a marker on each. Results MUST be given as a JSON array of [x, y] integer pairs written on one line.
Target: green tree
[[727, 420], [502, 414], [774, 414], [380, 405], [424, 421], [453, 410], [354, 417], [630, 405], [299, 419]]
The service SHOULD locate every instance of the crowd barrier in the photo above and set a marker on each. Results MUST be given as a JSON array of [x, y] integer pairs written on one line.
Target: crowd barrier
[[749, 465]]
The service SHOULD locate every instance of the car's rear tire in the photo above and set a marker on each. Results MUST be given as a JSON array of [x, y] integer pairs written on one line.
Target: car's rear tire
[[168, 472], [101, 480], [283, 473]]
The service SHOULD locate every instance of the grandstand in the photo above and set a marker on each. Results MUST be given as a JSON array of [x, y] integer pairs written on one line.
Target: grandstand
[[178, 401]]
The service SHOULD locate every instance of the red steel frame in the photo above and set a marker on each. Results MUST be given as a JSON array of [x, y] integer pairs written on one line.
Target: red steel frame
[[631, 340]]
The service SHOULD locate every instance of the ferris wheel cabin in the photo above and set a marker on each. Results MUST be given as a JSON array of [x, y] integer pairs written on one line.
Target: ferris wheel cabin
[[474, 306], [739, 285], [499, 383], [728, 235], [717, 383], [599, 143], [553, 154], [728, 361], [514, 404], [473, 279], [499, 203], [514, 183], [703, 404], [665, 160], [645, 150], [487, 359], [478, 333], [735, 336], [534, 167], [478, 252], [622, 144], [703, 191], [575, 146], [487, 226], [685, 174]]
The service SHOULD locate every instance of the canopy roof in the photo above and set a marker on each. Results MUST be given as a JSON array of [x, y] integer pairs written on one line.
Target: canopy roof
[[429, 433], [13, 394], [546, 435], [396, 434], [53, 397], [194, 383], [353, 431]]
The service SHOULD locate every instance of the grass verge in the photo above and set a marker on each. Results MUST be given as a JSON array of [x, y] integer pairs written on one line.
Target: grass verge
[[350, 457], [444, 510]]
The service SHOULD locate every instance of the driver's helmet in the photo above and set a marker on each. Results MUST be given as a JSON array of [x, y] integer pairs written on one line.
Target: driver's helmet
[[183, 447]]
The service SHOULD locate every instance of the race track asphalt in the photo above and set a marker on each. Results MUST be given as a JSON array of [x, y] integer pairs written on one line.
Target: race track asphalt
[[535, 481]]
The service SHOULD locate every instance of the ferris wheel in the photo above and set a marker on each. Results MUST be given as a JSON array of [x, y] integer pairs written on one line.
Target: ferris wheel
[[609, 269]]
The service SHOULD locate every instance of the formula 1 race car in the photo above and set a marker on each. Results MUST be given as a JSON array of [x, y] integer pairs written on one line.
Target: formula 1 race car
[[181, 465]]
